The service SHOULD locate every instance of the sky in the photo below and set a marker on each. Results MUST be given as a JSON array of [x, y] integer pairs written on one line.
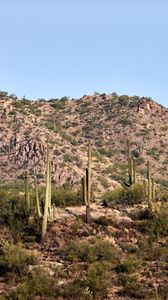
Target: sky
[[55, 48]]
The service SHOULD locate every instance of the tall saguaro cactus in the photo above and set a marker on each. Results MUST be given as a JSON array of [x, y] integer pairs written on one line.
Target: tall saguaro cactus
[[89, 174], [84, 190], [134, 172], [47, 194], [149, 184], [49, 204], [86, 185], [27, 190], [153, 189], [131, 165], [37, 197]]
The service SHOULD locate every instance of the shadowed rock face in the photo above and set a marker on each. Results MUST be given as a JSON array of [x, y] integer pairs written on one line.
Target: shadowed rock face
[[108, 120]]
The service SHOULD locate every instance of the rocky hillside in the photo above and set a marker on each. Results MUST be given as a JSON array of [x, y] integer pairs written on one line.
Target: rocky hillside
[[108, 120]]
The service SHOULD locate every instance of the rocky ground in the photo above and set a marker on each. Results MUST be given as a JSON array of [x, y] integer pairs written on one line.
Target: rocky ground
[[135, 255]]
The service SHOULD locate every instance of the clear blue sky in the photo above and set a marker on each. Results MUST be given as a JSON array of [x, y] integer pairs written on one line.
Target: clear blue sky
[[53, 48]]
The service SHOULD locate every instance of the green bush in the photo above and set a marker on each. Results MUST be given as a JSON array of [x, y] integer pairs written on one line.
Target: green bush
[[157, 226], [65, 196], [104, 221], [13, 214], [129, 265], [128, 195], [99, 279], [92, 285], [37, 283], [92, 251], [163, 292], [76, 290], [126, 121], [131, 287], [77, 225], [16, 259]]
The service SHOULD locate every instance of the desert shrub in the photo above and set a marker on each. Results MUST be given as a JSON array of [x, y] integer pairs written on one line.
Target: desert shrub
[[93, 285], [16, 259], [3, 94], [134, 194], [126, 121], [37, 283], [157, 253], [129, 248], [104, 182], [129, 265], [92, 251], [113, 196], [13, 214], [76, 290], [163, 292], [127, 195], [158, 225], [140, 160], [21, 103], [123, 100], [104, 221], [141, 214], [78, 223], [107, 152], [131, 287], [59, 104], [162, 182], [98, 279], [65, 196]]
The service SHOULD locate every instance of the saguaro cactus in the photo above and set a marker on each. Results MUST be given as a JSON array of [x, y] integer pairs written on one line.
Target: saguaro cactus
[[134, 172], [89, 174], [49, 204], [145, 186], [37, 197], [153, 189], [47, 194], [149, 184], [86, 185], [27, 190], [84, 190], [131, 165]]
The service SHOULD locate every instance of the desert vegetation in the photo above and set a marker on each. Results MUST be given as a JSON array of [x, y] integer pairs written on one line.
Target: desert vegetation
[[68, 241]]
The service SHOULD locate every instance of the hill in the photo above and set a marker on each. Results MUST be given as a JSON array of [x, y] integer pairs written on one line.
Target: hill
[[108, 120]]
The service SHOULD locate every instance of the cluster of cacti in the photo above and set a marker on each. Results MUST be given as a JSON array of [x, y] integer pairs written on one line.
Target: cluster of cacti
[[149, 184], [86, 185], [47, 203], [149, 187], [131, 166]]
